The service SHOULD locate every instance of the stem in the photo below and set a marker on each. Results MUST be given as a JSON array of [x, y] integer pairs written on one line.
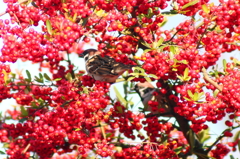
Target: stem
[[103, 130], [69, 63], [158, 114], [207, 78], [27, 147], [173, 36], [1, 14], [219, 138], [67, 102]]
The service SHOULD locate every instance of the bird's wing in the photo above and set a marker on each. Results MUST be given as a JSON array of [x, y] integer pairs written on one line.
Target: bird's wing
[[101, 65]]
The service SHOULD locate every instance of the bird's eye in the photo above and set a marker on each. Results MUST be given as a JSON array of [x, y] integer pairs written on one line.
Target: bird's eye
[[86, 58]]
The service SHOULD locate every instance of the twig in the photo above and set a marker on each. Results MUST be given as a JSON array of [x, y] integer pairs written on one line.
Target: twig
[[103, 130], [1, 14], [218, 139], [158, 114], [173, 36], [69, 63], [201, 38], [27, 147], [207, 78], [67, 102]]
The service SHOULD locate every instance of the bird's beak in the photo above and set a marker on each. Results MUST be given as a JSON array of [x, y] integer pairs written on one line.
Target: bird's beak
[[81, 55]]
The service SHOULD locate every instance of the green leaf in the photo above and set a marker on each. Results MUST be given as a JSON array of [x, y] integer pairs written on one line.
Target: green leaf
[[150, 13], [190, 94], [178, 150], [84, 22], [135, 74], [108, 135], [205, 8], [183, 61], [6, 79], [162, 47], [74, 17], [186, 71], [130, 78], [119, 108], [24, 111], [224, 64], [125, 87], [163, 23], [172, 49], [174, 69], [153, 76], [187, 98], [235, 61], [236, 138], [200, 95], [191, 139], [190, 4], [119, 97], [68, 76], [5, 145], [34, 4], [195, 96], [40, 100], [148, 79], [160, 41], [171, 55], [231, 157], [204, 135], [49, 26], [38, 79], [22, 120], [41, 76], [130, 102], [27, 80], [180, 77], [57, 79], [146, 44], [29, 75], [147, 50], [3, 153], [139, 68], [77, 129], [46, 77], [215, 93], [171, 12]]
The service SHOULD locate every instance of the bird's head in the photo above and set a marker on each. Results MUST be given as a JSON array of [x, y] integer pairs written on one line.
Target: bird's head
[[88, 53]]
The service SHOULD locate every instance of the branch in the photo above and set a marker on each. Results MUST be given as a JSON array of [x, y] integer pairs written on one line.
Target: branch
[[191, 137], [207, 78], [219, 138], [173, 36], [25, 150], [158, 114], [201, 38], [69, 63]]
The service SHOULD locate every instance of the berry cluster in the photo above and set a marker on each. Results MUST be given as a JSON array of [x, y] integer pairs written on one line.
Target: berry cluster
[[73, 113], [220, 151]]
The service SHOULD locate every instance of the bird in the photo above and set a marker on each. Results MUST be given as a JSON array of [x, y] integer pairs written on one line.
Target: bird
[[103, 68], [145, 91]]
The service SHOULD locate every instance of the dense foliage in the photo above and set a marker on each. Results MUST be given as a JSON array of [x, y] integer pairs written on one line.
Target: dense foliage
[[68, 113]]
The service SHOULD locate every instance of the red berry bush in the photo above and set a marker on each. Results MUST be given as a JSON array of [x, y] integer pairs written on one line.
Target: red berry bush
[[67, 114]]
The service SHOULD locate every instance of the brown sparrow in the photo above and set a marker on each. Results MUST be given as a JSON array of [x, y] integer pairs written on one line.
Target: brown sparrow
[[103, 68], [145, 91]]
